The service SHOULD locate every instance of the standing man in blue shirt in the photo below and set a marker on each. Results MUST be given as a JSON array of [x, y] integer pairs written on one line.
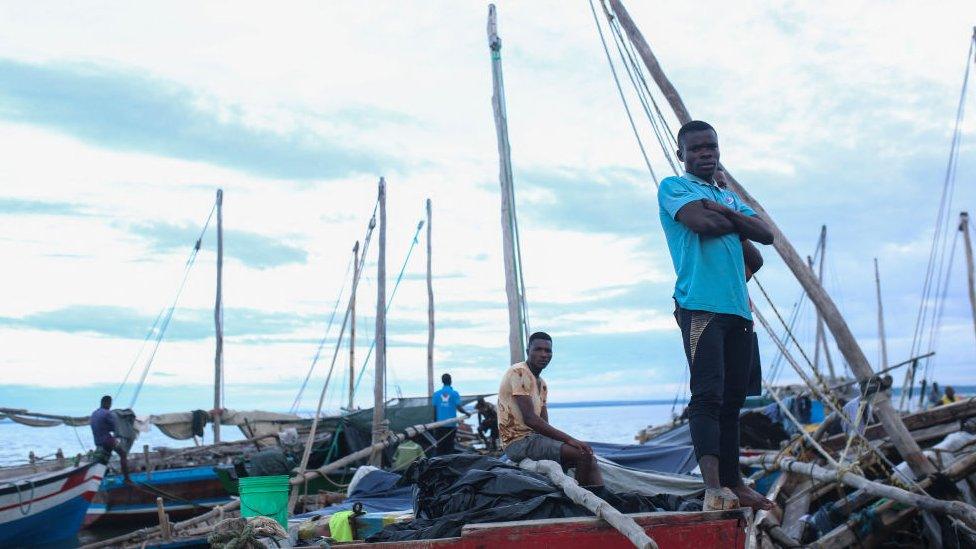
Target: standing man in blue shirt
[[708, 229], [447, 403], [103, 428]]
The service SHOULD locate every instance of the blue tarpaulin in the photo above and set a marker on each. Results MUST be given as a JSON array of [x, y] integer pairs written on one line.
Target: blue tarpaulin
[[378, 494], [664, 458]]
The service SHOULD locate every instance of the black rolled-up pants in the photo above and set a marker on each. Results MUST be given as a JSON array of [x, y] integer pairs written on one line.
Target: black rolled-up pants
[[719, 348]]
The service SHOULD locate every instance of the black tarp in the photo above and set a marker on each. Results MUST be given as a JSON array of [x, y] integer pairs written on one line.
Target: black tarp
[[452, 491]]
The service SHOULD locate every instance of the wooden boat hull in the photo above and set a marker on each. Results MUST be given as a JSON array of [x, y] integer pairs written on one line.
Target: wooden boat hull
[[46, 508], [186, 492], [726, 529]]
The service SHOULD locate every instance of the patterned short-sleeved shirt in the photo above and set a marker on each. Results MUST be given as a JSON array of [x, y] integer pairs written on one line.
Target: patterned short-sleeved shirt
[[518, 380]]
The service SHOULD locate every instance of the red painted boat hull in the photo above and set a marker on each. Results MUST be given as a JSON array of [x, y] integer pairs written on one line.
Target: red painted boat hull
[[725, 529]]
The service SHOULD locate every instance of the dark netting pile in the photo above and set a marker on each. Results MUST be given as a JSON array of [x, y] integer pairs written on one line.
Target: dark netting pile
[[452, 491]]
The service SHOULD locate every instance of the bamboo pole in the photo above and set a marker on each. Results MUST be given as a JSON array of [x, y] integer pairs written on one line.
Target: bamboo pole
[[581, 496], [163, 520], [409, 432], [219, 319], [846, 342], [430, 311], [883, 341], [352, 326], [379, 384], [971, 276], [516, 321], [962, 511]]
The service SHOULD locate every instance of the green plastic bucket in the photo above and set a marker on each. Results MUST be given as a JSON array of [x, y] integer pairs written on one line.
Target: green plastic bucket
[[265, 497]]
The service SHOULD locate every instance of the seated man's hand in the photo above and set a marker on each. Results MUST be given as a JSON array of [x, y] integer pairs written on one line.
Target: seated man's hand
[[581, 446]]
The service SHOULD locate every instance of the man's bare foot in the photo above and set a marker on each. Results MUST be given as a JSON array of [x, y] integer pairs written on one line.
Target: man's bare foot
[[719, 499], [751, 498]]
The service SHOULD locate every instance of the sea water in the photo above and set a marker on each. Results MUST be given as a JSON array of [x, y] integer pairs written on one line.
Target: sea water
[[603, 422]]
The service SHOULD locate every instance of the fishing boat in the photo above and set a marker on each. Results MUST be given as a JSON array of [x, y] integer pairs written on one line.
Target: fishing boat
[[46, 506], [668, 530]]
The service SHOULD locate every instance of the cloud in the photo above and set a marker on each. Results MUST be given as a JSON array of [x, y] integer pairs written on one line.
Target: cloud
[[20, 206], [252, 249], [127, 323], [609, 200], [128, 110]]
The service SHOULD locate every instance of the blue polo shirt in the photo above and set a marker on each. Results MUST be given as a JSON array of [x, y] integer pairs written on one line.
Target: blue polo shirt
[[711, 270], [446, 402]]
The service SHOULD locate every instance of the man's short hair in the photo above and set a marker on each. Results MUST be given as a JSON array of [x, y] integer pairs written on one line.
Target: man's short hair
[[106, 401], [446, 379], [539, 335], [693, 126]]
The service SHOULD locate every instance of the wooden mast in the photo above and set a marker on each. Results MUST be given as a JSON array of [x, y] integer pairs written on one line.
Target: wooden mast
[[883, 341], [219, 320], [516, 321], [846, 342], [964, 227], [352, 326], [821, 338], [430, 312], [380, 364]]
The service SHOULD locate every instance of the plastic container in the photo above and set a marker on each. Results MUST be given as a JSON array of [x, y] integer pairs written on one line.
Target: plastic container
[[265, 497]]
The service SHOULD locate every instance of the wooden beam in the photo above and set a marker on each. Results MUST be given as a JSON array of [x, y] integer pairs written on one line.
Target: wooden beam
[[379, 386], [583, 497], [956, 411], [962, 511], [843, 336], [516, 323], [796, 507]]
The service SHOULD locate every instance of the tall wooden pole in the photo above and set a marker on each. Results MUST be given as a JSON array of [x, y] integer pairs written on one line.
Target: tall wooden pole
[[964, 227], [352, 326], [430, 311], [846, 343], [821, 339], [881, 327], [219, 320], [380, 364], [516, 322]]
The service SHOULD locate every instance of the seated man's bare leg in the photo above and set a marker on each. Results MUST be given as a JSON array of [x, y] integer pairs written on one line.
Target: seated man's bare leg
[[587, 470]]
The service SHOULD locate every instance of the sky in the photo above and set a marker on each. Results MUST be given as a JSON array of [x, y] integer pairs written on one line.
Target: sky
[[119, 121]]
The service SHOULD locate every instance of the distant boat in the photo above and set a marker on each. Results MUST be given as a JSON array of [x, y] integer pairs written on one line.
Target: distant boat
[[45, 507]]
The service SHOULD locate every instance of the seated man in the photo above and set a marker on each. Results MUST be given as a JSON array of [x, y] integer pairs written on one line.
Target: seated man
[[523, 419]]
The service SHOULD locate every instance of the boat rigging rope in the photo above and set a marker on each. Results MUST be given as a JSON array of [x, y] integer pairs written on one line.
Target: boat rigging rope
[[933, 274], [166, 315], [623, 99], [325, 337], [389, 303], [345, 320]]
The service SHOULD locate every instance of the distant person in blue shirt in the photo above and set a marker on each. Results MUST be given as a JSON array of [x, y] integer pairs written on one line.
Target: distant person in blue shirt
[[447, 404], [708, 229], [103, 430]]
